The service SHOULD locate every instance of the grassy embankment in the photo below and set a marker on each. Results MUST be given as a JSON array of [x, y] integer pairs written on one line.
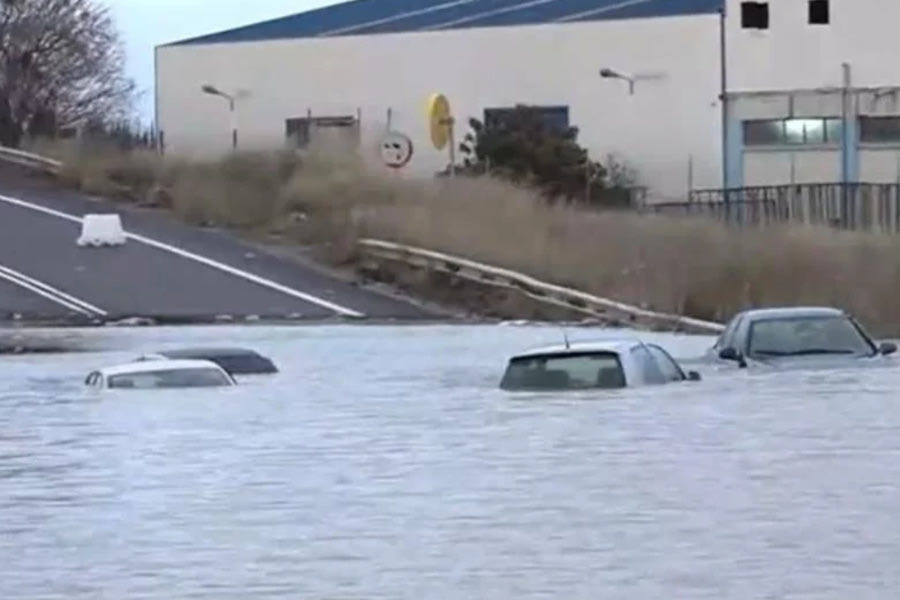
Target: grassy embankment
[[693, 267]]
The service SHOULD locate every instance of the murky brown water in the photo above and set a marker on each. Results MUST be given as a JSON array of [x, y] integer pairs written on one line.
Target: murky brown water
[[383, 463]]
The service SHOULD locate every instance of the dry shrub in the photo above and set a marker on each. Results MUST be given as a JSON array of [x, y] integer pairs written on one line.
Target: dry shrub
[[691, 266], [241, 191]]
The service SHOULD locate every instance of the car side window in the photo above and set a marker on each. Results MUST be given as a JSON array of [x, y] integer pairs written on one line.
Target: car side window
[[670, 369], [650, 371]]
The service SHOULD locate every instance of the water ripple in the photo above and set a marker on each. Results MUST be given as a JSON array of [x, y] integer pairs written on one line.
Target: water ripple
[[383, 463]]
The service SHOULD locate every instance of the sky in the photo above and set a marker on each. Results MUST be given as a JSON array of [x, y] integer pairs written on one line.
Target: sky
[[145, 24]]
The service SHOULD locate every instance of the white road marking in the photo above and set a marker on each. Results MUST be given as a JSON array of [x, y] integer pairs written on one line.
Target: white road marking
[[262, 281], [50, 293]]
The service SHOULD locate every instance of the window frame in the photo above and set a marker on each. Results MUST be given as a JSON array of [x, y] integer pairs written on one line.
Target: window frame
[[665, 357], [726, 339], [606, 354], [755, 10], [814, 17], [865, 121], [831, 127], [642, 364], [556, 117], [853, 322]]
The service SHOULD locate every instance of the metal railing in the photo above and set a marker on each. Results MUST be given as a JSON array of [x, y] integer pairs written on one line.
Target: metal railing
[[547, 293], [857, 206], [29, 160]]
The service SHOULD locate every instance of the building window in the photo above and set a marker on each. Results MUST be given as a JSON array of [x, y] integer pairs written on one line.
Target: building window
[[879, 130], [755, 15], [300, 131], [763, 133], [297, 132], [818, 12], [793, 132], [555, 118]]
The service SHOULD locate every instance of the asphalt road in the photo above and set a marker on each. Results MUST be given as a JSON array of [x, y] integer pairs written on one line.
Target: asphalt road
[[141, 280]]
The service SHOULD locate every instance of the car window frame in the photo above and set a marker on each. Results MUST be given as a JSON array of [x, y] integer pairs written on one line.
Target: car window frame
[[226, 377], [565, 355], [862, 333], [642, 364], [666, 357], [729, 336]]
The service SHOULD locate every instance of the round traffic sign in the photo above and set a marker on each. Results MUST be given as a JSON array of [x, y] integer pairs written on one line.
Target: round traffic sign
[[396, 150]]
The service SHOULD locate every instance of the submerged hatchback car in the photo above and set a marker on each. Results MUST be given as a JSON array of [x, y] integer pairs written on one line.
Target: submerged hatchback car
[[161, 374], [796, 336], [237, 361], [604, 365]]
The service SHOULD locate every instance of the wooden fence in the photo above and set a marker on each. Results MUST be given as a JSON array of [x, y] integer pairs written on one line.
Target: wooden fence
[[858, 206]]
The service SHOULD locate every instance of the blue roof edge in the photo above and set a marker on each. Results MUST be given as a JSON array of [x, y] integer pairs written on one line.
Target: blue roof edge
[[356, 15]]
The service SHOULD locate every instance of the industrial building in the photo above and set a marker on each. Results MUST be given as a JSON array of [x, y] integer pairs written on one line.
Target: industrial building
[[809, 86]]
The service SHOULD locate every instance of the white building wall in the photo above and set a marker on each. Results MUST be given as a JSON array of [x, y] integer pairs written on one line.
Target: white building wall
[[671, 120], [793, 55]]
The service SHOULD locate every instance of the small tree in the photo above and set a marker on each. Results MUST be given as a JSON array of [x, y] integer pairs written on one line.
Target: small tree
[[61, 61], [521, 146]]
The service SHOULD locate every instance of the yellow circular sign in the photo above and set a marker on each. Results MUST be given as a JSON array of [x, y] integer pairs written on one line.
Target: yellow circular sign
[[439, 120]]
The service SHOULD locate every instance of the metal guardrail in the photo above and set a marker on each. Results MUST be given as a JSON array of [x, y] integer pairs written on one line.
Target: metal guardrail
[[29, 160], [547, 293]]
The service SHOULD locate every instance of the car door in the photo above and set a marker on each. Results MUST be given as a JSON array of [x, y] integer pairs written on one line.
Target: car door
[[670, 369]]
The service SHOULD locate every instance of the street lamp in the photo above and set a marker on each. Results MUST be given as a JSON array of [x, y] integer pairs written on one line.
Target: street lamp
[[214, 91], [611, 74]]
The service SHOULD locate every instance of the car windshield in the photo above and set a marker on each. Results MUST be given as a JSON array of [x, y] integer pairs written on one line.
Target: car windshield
[[799, 336], [173, 378], [588, 370], [241, 363], [245, 364]]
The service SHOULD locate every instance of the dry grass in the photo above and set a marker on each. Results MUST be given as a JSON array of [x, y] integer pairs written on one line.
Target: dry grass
[[690, 266]]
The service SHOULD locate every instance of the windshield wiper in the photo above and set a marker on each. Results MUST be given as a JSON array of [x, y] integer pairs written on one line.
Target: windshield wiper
[[807, 352]]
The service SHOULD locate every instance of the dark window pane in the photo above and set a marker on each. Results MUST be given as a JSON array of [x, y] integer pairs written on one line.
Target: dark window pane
[[555, 118], [584, 370], [297, 132], [755, 15], [815, 131], [818, 12], [880, 129], [763, 133]]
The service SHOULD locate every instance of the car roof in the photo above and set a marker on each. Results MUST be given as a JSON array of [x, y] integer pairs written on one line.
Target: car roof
[[151, 366], [792, 311], [218, 352], [616, 346]]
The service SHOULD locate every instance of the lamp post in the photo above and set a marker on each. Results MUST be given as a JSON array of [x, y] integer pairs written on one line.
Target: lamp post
[[607, 73], [214, 91]]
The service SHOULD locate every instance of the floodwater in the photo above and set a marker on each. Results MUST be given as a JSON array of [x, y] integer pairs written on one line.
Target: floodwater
[[383, 464]]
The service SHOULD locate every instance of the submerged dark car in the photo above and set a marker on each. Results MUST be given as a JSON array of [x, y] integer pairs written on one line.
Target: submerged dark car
[[236, 361], [796, 336]]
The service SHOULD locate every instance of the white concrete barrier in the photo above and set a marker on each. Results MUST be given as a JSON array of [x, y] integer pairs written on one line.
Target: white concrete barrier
[[101, 230]]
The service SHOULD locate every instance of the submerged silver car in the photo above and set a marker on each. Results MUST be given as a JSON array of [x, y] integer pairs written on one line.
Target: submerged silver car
[[796, 336], [603, 365]]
